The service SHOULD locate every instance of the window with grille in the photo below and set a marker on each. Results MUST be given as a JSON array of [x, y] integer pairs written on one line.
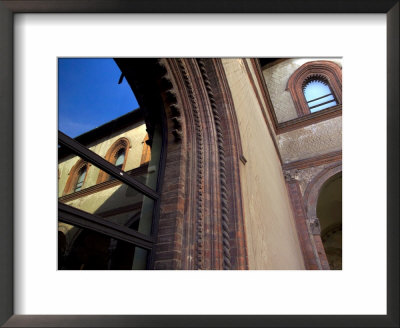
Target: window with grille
[[318, 95], [316, 86]]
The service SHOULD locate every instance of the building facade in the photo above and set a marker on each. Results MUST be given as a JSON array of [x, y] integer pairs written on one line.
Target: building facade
[[230, 163]]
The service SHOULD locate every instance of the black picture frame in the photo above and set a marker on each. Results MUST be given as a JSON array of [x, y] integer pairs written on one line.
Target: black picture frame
[[7, 10]]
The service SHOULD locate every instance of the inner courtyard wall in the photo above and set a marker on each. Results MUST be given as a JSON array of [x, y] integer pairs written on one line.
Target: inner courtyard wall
[[272, 240], [276, 78]]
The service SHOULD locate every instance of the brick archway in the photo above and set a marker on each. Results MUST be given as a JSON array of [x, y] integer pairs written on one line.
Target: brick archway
[[311, 196]]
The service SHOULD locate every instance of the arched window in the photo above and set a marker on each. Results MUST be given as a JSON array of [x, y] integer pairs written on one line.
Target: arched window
[[76, 177], [81, 178], [117, 155], [318, 94], [315, 86], [120, 158]]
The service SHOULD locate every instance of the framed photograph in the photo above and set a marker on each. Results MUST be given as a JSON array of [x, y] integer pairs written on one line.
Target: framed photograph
[[218, 91]]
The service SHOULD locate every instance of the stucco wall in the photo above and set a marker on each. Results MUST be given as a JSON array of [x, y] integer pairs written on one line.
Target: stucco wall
[[272, 240], [276, 78]]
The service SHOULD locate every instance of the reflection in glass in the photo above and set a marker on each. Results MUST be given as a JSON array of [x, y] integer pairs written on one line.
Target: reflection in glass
[[120, 158], [84, 249], [81, 178], [127, 146], [112, 199]]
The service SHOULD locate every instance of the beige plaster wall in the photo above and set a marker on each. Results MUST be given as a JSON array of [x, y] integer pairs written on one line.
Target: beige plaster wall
[[316, 139], [271, 235], [135, 134], [276, 78]]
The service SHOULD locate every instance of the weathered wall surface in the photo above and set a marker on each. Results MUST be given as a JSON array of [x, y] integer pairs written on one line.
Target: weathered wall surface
[[313, 140], [270, 229], [276, 78]]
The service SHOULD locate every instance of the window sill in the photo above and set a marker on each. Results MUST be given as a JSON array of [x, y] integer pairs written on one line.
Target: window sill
[[309, 119]]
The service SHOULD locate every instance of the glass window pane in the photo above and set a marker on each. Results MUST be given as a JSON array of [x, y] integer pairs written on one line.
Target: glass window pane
[[81, 179], [111, 199], [317, 92], [85, 249], [316, 89], [330, 104], [120, 158]]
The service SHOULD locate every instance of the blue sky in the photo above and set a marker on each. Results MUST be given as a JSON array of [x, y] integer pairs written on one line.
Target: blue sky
[[89, 94]]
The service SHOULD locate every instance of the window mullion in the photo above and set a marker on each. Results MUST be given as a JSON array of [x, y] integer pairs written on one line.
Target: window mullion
[[329, 94], [324, 103]]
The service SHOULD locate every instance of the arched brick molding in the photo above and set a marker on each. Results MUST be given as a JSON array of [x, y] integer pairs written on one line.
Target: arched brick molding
[[73, 176], [311, 196], [327, 71], [211, 229], [201, 217], [121, 143]]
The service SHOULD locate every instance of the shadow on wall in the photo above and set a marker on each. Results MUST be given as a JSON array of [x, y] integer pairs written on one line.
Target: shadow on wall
[[329, 212]]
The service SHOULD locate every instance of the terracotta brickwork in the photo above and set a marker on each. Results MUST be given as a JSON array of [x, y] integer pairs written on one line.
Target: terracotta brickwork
[[200, 223]]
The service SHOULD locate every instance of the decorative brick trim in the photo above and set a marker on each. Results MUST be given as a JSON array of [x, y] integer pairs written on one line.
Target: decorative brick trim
[[73, 176], [233, 158], [199, 168], [222, 172], [192, 207], [298, 122], [331, 157], [323, 69], [311, 195], [310, 259], [111, 156], [170, 251]]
